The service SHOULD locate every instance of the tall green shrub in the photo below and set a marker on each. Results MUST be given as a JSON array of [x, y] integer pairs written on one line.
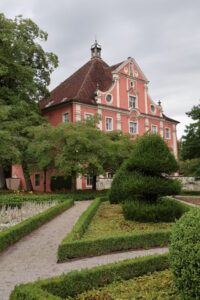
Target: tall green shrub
[[185, 254], [143, 175]]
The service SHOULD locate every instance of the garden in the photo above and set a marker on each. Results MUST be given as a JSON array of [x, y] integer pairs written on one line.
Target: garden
[[139, 212]]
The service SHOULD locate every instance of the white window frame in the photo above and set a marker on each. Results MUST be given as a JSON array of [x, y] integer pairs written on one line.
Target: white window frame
[[130, 107], [136, 127], [155, 127], [111, 123], [168, 138], [37, 185], [63, 117], [87, 114], [90, 178]]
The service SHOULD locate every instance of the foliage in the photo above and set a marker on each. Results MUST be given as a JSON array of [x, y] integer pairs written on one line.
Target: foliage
[[141, 175], [109, 221], [190, 193], [74, 283], [15, 233], [61, 183], [190, 167], [185, 254], [191, 139], [25, 70], [165, 210], [158, 285], [76, 246]]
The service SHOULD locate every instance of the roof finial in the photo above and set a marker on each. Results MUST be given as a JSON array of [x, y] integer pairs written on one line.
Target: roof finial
[[95, 50]]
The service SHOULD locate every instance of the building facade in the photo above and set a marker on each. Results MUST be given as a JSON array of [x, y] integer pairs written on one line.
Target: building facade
[[118, 93]]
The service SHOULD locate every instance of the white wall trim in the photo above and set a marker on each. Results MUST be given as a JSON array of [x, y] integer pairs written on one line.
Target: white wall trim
[[175, 142], [119, 127], [78, 112], [100, 122]]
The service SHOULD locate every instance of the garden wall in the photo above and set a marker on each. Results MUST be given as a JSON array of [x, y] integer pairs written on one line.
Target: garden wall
[[188, 183]]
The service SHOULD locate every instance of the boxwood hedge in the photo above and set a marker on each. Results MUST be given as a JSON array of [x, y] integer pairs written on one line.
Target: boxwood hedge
[[76, 282], [73, 246]]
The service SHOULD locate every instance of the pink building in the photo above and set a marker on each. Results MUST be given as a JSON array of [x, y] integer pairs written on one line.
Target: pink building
[[119, 93]]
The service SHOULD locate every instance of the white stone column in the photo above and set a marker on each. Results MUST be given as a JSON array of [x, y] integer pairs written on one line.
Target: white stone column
[[145, 98], [79, 182], [119, 127], [161, 129], [175, 142], [100, 122], [146, 124], [118, 96], [78, 112]]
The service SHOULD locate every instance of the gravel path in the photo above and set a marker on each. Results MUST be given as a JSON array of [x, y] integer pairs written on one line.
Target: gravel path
[[34, 256]]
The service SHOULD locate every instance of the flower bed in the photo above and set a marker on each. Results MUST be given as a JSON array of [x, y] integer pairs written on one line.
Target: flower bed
[[78, 244], [74, 283], [10, 216], [15, 233]]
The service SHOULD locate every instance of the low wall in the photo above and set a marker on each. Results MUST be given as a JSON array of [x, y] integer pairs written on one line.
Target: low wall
[[188, 183], [104, 183]]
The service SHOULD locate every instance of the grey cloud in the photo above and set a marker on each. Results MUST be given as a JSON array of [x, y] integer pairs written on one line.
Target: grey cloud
[[163, 37]]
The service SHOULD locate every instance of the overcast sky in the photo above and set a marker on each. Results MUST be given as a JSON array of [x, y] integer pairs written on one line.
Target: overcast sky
[[162, 35]]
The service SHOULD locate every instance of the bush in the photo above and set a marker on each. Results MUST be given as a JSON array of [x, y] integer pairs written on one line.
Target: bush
[[61, 183], [141, 175], [15, 233], [76, 282], [165, 210], [73, 246], [185, 254]]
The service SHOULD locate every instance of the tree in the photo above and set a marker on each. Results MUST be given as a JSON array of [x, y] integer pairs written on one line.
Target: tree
[[141, 175], [42, 149], [191, 139], [25, 70]]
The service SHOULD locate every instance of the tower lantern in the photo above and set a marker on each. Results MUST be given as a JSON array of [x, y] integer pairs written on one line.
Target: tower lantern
[[96, 50]]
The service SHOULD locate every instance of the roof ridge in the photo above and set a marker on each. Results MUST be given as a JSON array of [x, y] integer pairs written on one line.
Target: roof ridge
[[85, 79]]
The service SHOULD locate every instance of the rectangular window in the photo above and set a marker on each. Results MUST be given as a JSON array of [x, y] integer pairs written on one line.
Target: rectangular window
[[37, 179], [88, 116], [154, 129], [110, 175], [109, 124], [66, 117], [133, 127], [132, 102], [167, 133], [89, 180]]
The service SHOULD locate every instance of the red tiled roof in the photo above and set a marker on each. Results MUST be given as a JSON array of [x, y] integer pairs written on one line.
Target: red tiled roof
[[82, 84], [169, 119]]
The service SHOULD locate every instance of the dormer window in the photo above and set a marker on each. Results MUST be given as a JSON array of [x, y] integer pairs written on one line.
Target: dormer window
[[153, 108], [132, 102], [109, 98]]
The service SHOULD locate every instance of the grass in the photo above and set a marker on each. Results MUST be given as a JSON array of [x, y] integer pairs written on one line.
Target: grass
[[155, 286], [109, 220]]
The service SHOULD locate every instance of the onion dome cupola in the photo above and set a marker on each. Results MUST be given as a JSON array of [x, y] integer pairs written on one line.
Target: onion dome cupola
[[96, 50]]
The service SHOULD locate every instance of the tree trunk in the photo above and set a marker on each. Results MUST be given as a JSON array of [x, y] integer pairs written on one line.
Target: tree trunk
[[73, 183], [45, 180], [94, 182], [2, 178], [27, 178]]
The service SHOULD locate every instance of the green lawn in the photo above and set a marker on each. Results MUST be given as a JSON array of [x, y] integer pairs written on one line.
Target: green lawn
[[155, 286], [109, 220]]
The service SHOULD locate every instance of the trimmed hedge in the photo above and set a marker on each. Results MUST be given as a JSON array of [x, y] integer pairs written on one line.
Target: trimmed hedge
[[80, 227], [190, 193], [61, 182], [73, 246], [76, 282], [15, 233], [164, 210], [185, 254], [99, 246]]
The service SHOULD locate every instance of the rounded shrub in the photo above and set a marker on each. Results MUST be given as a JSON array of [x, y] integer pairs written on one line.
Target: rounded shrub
[[141, 176], [185, 255], [165, 210]]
